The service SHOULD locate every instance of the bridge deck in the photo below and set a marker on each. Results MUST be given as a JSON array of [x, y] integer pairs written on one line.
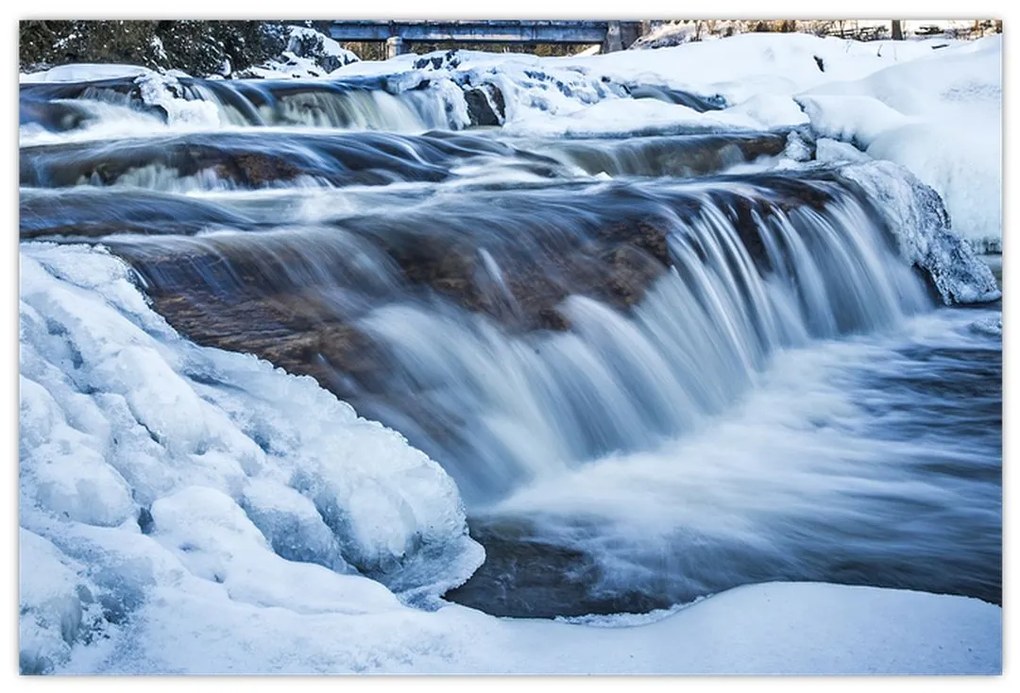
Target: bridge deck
[[474, 31]]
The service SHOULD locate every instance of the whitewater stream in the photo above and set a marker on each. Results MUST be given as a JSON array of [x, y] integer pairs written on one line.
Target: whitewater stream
[[656, 366]]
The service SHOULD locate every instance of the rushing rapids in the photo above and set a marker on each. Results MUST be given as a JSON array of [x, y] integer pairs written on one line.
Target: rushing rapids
[[570, 319]]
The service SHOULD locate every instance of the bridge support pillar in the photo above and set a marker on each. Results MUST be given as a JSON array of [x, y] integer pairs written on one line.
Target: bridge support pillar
[[614, 38], [395, 46]]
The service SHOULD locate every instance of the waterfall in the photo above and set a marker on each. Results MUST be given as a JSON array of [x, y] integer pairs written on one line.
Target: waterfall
[[647, 316], [564, 330]]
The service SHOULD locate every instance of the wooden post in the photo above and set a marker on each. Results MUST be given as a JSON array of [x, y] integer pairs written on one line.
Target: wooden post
[[394, 47]]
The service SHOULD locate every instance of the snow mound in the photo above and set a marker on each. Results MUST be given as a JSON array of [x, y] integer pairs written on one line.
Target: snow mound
[[745, 65], [858, 120], [917, 217], [941, 117], [831, 151], [134, 437]]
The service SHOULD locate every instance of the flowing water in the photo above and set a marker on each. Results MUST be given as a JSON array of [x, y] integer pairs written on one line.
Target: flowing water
[[656, 367]]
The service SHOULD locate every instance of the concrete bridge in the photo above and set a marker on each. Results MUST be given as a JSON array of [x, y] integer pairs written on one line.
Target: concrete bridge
[[612, 35]]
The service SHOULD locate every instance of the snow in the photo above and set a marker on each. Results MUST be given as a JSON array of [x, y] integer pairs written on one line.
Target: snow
[[85, 72], [770, 111], [829, 150], [681, 31], [309, 53], [621, 117], [940, 116], [329, 46], [800, 628], [165, 92], [745, 65], [858, 120], [127, 427]]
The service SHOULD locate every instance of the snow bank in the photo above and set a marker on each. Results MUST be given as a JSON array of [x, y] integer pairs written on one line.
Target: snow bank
[[917, 217], [745, 65], [768, 67], [675, 32], [786, 628], [936, 111], [229, 464], [941, 117], [85, 72]]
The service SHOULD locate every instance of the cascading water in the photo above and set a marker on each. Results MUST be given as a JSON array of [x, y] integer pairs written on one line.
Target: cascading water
[[360, 104], [559, 320]]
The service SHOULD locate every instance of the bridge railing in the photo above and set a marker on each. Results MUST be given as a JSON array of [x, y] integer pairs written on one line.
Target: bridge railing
[[613, 35]]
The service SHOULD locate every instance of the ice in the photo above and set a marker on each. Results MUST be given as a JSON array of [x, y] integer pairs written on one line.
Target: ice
[[56, 606], [292, 524], [61, 468], [128, 427], [215, 540], [166, 92], [829, 150], [531, 86], [917, 217], [990, 326]]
